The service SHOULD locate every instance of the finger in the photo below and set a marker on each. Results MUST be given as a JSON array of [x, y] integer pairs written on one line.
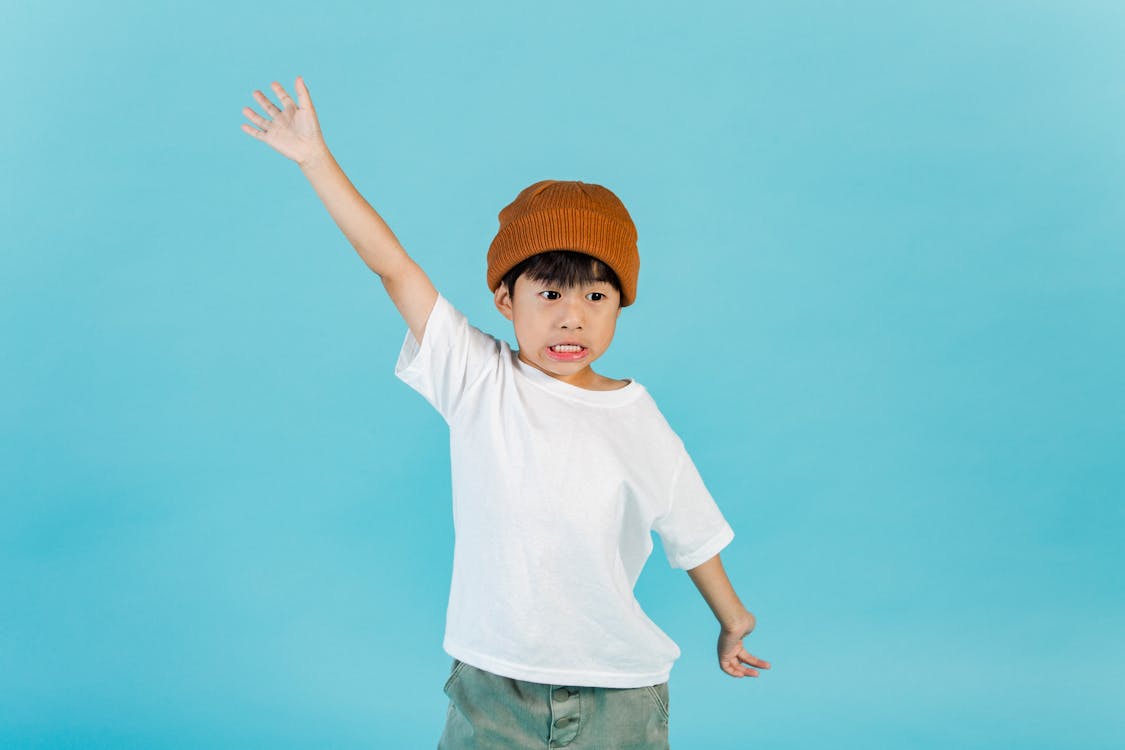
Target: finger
[[259, 134], [283, 95], [303, 98], [748, 658], [734, 669], [255, 118], [742, 672], [267, 105]]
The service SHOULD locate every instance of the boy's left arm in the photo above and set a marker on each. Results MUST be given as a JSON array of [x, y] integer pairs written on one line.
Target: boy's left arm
[[735, 620]]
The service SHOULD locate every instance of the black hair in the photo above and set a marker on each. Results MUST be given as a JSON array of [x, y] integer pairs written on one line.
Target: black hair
[[562, 267]]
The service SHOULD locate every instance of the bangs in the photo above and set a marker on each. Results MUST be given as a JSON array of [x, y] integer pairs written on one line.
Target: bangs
[[564, 268]]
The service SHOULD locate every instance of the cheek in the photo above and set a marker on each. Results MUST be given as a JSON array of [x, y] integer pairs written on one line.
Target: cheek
[[608, 329], [526, 333]]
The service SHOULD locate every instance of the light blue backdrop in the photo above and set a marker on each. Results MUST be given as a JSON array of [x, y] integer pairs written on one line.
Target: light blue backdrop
[[881, 299]]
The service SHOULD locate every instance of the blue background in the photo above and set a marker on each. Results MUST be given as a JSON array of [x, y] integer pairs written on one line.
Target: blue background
[[881, 299]]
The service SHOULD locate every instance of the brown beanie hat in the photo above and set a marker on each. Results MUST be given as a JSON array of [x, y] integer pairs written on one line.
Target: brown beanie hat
[[567, 215]]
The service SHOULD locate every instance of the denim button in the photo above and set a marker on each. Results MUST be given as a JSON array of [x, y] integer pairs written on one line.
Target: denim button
[[562, 694]]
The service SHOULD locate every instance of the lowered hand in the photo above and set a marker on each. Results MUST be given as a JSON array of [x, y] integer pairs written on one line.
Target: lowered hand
[[732, 656]]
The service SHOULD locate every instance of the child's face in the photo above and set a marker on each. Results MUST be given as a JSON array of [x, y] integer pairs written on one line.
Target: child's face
[[545, 315]]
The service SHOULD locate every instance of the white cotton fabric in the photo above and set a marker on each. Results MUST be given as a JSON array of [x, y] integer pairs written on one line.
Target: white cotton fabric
[[556, 489]]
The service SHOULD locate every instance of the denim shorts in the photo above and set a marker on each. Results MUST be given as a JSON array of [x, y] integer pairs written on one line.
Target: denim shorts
[[490, 712]]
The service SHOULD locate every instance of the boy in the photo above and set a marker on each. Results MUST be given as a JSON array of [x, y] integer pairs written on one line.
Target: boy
[[559, 473]]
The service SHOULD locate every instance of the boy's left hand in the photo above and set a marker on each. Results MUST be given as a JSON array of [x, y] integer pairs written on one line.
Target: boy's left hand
[[732, 656]]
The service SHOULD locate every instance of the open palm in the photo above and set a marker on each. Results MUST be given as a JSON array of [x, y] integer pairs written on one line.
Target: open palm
[[293, 130]]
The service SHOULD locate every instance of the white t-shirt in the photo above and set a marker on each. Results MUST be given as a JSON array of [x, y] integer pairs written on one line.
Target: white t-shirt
[[556, 490]]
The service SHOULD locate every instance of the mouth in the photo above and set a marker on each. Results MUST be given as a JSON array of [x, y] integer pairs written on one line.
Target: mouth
[[566, 352]]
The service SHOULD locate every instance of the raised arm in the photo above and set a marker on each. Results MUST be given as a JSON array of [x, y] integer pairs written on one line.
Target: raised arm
[[735, 621], [295, 132]]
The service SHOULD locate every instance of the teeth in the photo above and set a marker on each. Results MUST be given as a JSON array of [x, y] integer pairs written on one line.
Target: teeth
[[567, 348]]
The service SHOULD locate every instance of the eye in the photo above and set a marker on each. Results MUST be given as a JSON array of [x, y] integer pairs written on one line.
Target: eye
[[549, 291], [600, 296]]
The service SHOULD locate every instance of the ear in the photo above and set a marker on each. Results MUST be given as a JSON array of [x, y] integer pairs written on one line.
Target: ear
[[503, 300]]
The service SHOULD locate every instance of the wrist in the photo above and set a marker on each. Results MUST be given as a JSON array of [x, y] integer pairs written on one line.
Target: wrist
[[317, 156], [740, 623]]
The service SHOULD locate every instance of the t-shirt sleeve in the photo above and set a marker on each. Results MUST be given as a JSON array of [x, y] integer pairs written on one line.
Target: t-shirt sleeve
[[694, 529], [451, 357]]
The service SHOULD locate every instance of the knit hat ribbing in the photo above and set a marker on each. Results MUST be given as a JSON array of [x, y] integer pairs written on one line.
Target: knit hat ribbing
[[567, 215]]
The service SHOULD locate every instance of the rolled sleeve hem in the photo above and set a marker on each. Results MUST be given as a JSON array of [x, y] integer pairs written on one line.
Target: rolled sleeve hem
[[705, 551]]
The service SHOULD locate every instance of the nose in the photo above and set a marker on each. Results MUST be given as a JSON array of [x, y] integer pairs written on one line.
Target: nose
[[572, 314]]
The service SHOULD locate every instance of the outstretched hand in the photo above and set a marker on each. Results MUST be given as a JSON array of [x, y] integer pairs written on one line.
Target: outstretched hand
[[294, 130], [732, 656]]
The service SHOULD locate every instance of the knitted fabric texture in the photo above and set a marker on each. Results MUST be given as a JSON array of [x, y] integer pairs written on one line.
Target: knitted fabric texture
[[567, 215]]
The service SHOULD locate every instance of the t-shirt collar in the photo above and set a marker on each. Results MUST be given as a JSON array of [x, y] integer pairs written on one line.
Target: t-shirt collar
[[614, 397]]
